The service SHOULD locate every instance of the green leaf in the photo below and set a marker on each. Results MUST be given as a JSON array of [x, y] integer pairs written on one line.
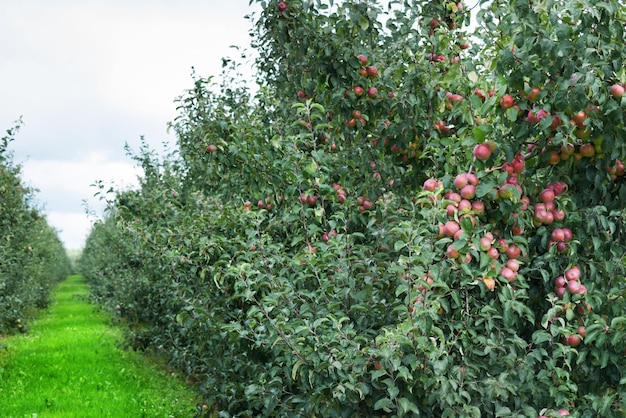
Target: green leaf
[[364, 23], [479, 135], [384, 404]]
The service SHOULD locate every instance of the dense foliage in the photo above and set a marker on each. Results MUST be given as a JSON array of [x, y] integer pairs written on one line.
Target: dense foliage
[[32, 258], [405, 219]]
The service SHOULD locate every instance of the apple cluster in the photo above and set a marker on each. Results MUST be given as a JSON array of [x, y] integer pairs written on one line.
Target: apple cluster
[[460, 203], [369, 72]]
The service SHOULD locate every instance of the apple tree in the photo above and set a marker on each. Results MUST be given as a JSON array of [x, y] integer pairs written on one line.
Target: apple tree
[[407, 217]]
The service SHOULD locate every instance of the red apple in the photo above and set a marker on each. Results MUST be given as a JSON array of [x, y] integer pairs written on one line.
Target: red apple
[[460, 181], [468, 192], [617, 91], [587, 150], [485, 243], [508, 274], [572, 340], [513, 251], [482, 152], [451, 252], [546, 195], [573, 287], [430, 185], [282, 6], [362, 59], [557, 235], [450, 228], [572, 274], [579, 118], [513, 264], [559, 282], [534, 94], [507, 101]]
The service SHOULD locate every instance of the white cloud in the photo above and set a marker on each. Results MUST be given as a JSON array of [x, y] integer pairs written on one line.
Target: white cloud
[[72, 228], [89, 77]]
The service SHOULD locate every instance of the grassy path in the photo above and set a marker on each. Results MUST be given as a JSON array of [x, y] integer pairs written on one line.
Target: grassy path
[[69, 365]]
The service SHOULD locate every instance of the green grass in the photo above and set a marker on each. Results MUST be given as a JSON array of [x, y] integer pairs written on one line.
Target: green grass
[[69, 365]]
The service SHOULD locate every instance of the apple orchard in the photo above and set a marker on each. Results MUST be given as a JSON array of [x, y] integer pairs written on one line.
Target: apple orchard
[[406, 217]]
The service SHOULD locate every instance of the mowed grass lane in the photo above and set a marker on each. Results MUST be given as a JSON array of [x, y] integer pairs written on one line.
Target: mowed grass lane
[[69, 365]]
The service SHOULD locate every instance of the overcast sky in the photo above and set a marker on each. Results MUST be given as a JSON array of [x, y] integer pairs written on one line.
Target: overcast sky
[[89, 76]]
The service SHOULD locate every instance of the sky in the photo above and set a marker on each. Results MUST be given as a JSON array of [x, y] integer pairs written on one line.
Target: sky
[[89, 76]]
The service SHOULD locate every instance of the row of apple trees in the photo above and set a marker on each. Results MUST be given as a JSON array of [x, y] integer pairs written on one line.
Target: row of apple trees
[[32, 258], [406, 218]]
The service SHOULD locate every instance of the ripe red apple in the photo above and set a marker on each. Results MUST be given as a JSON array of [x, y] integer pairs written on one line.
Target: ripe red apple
[[556, 122], [567, 233], [534, 94], [563, 412], [513, 264], [572, 340], [372, 71], [211, 148], [617, 91], [372, 92], [573, 287], [547, 196], [485, 243], [557, 235], [450, 228], [451, 252], [358, 90], [508, 274], [518, 165], [430, 185], [578, 118], [560, 282], [454, 197], [362, 59], [482, 152], [582, 331], [572, 274], [514, 251], [507, 101], [493, 253], [480, 94], [468, 192], [460, 181], [465, 206], [282, 6], [587, 150], [311, 200], [478, 208], [367, 205]]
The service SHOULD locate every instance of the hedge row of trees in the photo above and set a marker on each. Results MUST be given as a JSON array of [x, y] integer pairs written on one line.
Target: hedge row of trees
[[32, 258], [405, 219]]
